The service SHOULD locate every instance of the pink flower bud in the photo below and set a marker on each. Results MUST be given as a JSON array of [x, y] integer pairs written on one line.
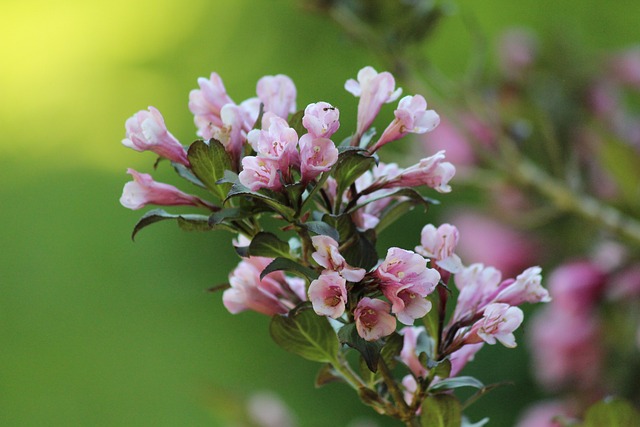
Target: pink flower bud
[[374, 89], [409, 355], [498, 323], [278, 94], [328, 294], [477, 284], [317, 155], [143, 190], [321, 119], [205, 103], [271, 295], [328, 256], [405, 280], [526, 287], [146, 131], [373, 320], [431, 171], [259, 173], [276, 141], [412, 116], [439, 244]]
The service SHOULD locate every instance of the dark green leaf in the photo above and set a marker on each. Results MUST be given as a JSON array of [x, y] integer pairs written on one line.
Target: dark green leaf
[[295, 122], [320, 227], [441, 410], [228, 214], [186, 222], [612, 413], [431, 321], [229, 176], [391, 349], [186, 173], [327, 375], [350, 165], [443, 368], [370, 350], [365, 139], [239, 190], [209, 161], [285, 264], [358, 248], [306, 334], [268, 245], [457, 382]]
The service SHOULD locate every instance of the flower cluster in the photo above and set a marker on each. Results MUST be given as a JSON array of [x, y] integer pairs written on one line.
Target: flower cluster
[[326, 288]]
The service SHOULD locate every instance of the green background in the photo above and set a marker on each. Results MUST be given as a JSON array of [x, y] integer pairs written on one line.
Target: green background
[[98, 331]]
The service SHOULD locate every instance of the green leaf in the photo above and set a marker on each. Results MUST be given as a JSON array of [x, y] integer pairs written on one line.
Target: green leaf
[[239, 190], [320, 227], [229, 176], [327, 375], [365, 139], [391, 349], [295, 122], [209, 161], [285, 264], [230, 214], [186, 173], [306, 334], [268, 245], [457, 382], [441, 410], [612, 413], [351, 163], [186, 222], [431, 320], [370, 350]]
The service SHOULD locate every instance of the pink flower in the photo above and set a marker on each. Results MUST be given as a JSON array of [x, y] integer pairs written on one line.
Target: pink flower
[[431, 171], [625, 67], [368, 216], [231, 134], [328, 256], [328, 294], [498, 323], [373, 320], [275, 294], [447, 137], [526, 287], [409, 355], [412, 116], [205, 103], [625, 284], [439, 244], [577, 286], [462, 356], [517, 53], [317, 155], [374, 89], [405, 280], [278, 94], [321, 120], [276, 141], [477, 284], [259, 173], [143, 190], [542, 415], [146, 131]]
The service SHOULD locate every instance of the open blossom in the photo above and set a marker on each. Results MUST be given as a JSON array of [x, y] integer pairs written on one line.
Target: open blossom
[[328, 256], [321, 119], [374, 89], [207, 102], [373, 320], [405, 280], [432, 171], [278, 94], [497, 323], [328, 294], [439, 245], [276, 141], [259, 173], [317, 155], [143, 190], [412, 116], [146, 131], [526, 287], [409, 354], [274, 294], [231, 133]]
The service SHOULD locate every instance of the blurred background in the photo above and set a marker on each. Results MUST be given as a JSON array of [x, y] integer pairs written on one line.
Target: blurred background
[[98, 330]]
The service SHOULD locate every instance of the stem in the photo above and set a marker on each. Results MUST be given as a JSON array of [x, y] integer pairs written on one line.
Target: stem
[[405, 413]]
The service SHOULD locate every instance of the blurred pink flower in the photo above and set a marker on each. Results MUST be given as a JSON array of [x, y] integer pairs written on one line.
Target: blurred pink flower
[[412, 116], [576, 286], [409, 355], [328, 256], [205, 103], [447, 137], [317, 155], [542, 414], [517, 51], [490, 242], [373, 320], [321, 119], [274, 294], [278, 94], [143, 190], [625, 285], [146, 131], [462, 356], [328, 294], [267, 410], [374, 89], [625, 67]]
